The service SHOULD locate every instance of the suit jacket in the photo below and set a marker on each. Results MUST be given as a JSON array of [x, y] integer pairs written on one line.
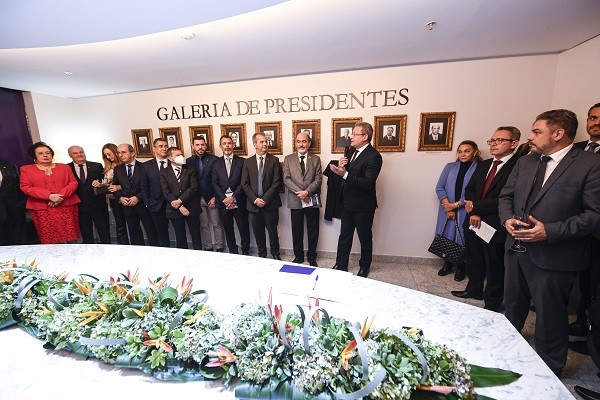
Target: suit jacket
[[186, 189], [583, 144], [271, 182], [10, 193], [487, 208], [150, 184], [33, 184], [89, 201], [568, 205], [294, 180], [129, 189], [205, 184], [358, 192], [221, 181]]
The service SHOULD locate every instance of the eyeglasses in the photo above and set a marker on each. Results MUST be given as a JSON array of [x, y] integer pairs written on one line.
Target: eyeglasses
[[498, 141], [357, 134]]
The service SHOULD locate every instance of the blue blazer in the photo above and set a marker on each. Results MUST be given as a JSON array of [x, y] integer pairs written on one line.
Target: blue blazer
[[152, 192], [205, 185]]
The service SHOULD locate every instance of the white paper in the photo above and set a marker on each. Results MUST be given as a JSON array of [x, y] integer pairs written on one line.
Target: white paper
[[485, 231], [322, 283]]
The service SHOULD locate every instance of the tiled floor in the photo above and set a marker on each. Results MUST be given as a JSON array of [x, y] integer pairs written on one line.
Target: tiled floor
[[580, 369]]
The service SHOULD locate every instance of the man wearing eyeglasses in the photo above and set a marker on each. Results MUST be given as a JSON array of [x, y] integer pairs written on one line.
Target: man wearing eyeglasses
[[485, 261], [359, 169]]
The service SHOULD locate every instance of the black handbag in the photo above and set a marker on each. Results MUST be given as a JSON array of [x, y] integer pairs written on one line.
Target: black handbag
[[446, 248]]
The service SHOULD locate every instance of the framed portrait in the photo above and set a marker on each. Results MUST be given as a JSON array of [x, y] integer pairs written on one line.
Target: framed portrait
[[173, 137], [390, 133], [436, 131], [272, 131], [205, 132], [341, 128], [142, 142], [312, 127], [237, 133]]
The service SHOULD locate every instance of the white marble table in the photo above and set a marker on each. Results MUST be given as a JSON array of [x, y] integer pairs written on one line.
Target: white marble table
[[28, 371]]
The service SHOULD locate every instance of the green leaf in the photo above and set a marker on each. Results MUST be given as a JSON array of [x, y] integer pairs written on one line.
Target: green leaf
[[7, 322], [79, 349], [486, 377], [125, 361], [168, 295], [175, 370]]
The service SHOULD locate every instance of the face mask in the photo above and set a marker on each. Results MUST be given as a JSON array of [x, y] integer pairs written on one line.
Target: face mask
[[179, 160]]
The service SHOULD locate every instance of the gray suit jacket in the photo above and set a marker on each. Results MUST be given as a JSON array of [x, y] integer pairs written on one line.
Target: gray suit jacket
[[294, 181], [568, 204]]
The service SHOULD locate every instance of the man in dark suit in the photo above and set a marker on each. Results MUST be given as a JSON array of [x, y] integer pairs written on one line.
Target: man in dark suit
[[152, 191], [180, 188], [12, 206], [558, 187], [261, 180], [485, 261], [302, 176], [93, 209], [359, 199], [230, 197], [589, 278], [389, 139], [202, 162], [126, 189]]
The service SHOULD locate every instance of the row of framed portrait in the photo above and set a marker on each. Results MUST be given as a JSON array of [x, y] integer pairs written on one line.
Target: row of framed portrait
[[435, 134]]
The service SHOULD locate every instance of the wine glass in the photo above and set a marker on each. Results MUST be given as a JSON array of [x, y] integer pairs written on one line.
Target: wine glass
[[517, 246]]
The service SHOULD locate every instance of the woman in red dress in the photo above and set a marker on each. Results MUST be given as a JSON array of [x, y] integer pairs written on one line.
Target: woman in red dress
[[51, 198]]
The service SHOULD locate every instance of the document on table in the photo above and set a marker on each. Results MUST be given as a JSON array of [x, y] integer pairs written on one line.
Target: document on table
[[305, 281], [485, 231]]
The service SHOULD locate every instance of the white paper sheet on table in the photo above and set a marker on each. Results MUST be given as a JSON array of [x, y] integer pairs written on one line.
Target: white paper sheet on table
[[485, 232], [326, 284]]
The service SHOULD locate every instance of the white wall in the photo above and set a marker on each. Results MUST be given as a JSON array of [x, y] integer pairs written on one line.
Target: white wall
[[485, 94]]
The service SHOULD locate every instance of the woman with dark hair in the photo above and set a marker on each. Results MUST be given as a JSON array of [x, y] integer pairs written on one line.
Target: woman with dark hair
[[450, 190], [50, 188], [111, 160]]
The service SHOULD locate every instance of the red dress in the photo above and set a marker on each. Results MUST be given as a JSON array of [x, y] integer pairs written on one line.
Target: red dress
[[57, 224]]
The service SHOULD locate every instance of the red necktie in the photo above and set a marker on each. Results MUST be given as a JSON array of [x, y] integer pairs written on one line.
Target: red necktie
[[490, 178]]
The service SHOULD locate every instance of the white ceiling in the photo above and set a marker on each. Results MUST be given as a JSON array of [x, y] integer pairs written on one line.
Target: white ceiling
[[114, 46]]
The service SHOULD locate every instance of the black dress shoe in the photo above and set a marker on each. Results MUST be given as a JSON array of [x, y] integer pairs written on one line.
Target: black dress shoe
[[498, 308], [579, 346], [313, 263], [363, 272], [297, 260], [463, 294], [340, 268], [587, 394], [276, 257], [579, 328], [245, 253], [460, 274], [446, 269]]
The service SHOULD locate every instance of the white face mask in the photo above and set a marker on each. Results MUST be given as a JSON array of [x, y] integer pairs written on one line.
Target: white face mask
[[179, 160]]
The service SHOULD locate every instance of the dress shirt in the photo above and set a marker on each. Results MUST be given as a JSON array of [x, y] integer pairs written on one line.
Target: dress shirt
[[355, 155], [502, 164], [158, 160], [555, 158], [78, 170], [588, 145]]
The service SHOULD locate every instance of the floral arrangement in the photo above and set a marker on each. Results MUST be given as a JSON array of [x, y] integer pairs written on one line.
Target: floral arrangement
[[172, 334]]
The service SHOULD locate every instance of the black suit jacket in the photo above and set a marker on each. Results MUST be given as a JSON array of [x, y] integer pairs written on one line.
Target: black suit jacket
[[85, 191], [487, 208], [129, 189], [186, 189], [568, 205], [10, 192], [272, 182], [358, 192], [150, 184], [221, 181]]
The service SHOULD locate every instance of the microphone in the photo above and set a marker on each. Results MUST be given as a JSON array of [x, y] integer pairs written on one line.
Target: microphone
[[346, 151]]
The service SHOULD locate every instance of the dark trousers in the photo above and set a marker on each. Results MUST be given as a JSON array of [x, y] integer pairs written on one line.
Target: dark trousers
[[268, 219], [240, 215], [117, 210], [133, 217], [362, 221], [193, 223], [161, 224], [485, 262], [589, 280], [312, 227], [549, 291], [13, 230], [98, 218]]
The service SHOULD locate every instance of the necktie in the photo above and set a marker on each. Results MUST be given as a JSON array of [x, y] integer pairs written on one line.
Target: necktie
[[302, 166], [177, 173], [162, 165], [592, 146], [354, 155], [199, 167], [537, 182], [129, 172], [81, 173], [261, 170], [490, 178], [228, 166]]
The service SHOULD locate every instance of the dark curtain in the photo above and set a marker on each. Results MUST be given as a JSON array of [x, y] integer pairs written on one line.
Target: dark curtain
[[15, 137]]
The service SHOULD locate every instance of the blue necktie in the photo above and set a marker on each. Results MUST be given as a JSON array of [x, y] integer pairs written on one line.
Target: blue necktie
[[261, 170], [199, 167], [129, 172]]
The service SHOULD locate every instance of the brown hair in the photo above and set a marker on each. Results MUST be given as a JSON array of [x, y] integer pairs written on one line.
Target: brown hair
[[107, 163], [474, 146]]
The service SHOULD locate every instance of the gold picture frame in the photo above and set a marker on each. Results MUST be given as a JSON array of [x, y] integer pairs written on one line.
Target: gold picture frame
[[313, 126], [203, 131], [341, 128], [272, 130], [237, 133], [390, 133], [142, 142], [172, 135], [436, 131]]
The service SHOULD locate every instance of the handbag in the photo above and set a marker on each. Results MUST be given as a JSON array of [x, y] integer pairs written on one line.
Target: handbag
[[446, 248]]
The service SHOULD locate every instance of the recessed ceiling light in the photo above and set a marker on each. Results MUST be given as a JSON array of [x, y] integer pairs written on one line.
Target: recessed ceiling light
[[68, 73], [430, 25], [187, 35]]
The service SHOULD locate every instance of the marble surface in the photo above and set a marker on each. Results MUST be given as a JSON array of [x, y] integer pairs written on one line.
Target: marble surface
[[481, 336]]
